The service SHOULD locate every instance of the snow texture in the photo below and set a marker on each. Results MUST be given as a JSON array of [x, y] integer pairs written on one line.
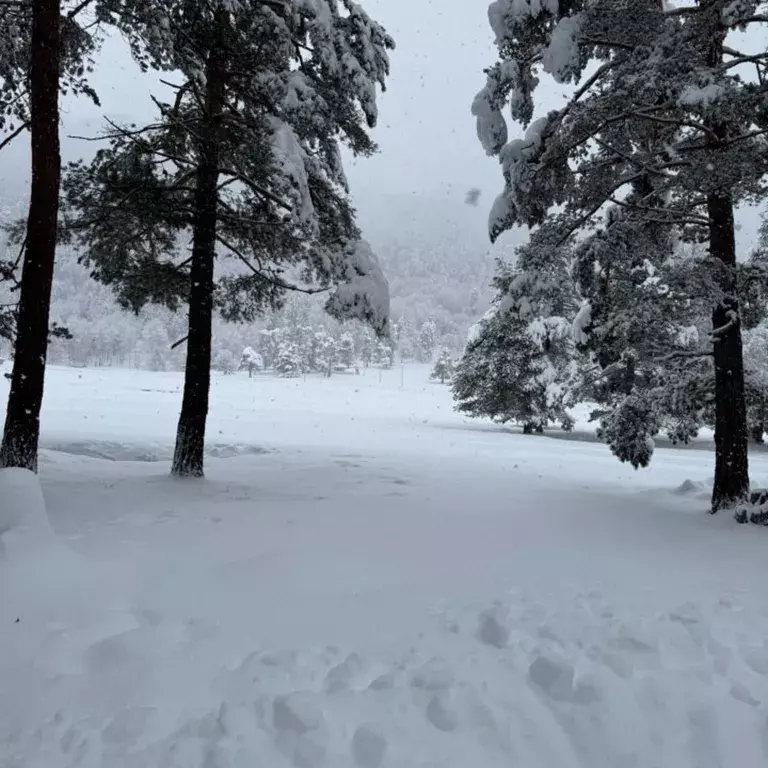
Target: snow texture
[[378, 583], [581, 322], [561, 57]]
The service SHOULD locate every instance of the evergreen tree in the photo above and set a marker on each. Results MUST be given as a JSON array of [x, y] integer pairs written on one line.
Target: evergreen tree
[[496, 376], [43, 49], [246, 157], [427, 341], [22, 420], [518, 365], [251, 360], [661, 124], [288, 361], [324, 353], [383, 356], [269, 345], [345, 349], [443, 369], [368, 348]]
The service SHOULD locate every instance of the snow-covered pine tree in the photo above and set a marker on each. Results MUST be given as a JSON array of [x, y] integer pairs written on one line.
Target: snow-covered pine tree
[[288, 361], [518, 365], [345, 351], [660, 99], [427, 341], [443, 368], [324, 353], [642, 330], [496, 375], [252, 361], [269, 345], [383, 355], [246, 157], [368, 347]]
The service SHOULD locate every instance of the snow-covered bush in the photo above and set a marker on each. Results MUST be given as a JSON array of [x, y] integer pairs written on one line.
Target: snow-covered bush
[[251, 361]]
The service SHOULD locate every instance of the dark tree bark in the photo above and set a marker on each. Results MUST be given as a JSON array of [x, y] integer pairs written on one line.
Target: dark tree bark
[[731, 433], [22, 421], [731, 486], [190, 435]]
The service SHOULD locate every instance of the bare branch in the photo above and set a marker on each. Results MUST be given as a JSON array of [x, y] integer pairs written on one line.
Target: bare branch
[[267, 278], [257, 188], [8, 139]]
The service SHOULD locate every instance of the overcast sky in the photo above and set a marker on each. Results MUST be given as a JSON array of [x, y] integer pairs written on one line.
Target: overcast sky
[[426, 132]]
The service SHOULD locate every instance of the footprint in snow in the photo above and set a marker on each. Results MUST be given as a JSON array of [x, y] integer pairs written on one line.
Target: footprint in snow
[[368, 747], [740, 692], [491, 631], [441, 716]]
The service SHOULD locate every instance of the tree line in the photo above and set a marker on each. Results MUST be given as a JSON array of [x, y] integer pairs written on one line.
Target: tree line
[[241, 164], [629, 189]]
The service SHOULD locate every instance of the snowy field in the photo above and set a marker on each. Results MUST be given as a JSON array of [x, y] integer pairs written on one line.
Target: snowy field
[[367, 579]]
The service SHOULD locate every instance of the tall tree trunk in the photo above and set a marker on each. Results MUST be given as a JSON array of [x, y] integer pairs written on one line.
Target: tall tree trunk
[[22, 420], [190, 435], [731, 431]]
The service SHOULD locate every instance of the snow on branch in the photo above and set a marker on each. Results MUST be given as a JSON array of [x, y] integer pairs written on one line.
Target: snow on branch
[[364, 294]]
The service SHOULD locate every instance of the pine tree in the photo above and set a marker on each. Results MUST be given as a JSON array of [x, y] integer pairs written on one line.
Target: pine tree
[[345, 348], [269, 345], [368, 347], [518, 364], [43, 49], [324, 353], [247, 158], [383, 356], [496, 375], [443, 368], [288, 361], [427, 341], [22, 421], [660, 111], [251, 360]]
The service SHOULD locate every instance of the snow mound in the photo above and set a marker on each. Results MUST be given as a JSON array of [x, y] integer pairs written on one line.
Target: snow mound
[[43, 582], [22, 509], [690, 487]]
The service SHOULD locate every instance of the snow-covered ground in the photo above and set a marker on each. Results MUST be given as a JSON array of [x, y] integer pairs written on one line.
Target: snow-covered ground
[[367, 579]]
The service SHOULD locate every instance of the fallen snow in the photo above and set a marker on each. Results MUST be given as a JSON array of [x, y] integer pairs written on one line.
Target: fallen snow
[[367, 579]]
